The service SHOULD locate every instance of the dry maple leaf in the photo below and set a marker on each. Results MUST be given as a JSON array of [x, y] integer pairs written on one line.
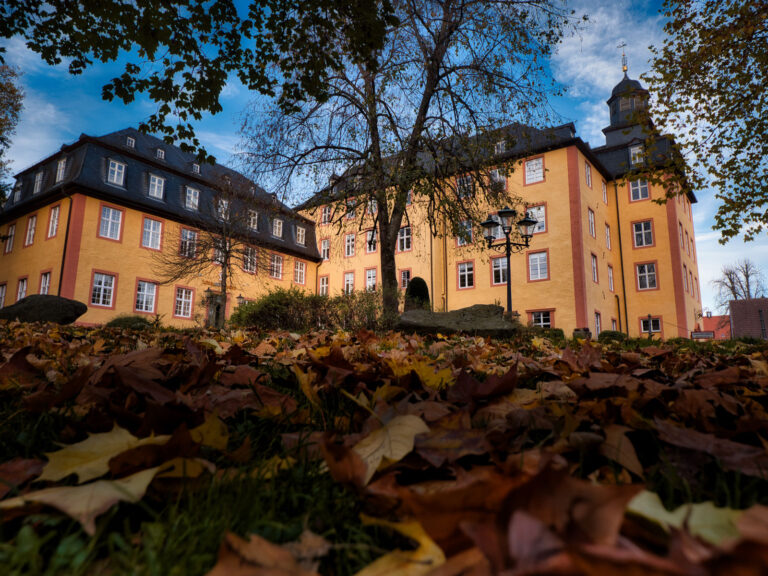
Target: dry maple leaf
[[90, 458], [255, 557], [389, 443], [84, 503]]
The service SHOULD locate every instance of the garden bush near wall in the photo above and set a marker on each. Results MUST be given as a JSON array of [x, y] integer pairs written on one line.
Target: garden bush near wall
[[297, 311]]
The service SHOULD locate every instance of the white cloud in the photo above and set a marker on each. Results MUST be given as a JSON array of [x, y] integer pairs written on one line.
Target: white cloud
[[18, 55]]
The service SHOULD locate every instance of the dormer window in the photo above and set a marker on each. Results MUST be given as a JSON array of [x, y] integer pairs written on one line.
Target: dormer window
[[17, 192], [192, 197], [222, 209], [196, 168], [156, 186], [61, 167], [277, 228], [636, 155], [301, 236], [500, 147], [38, 183], [160, 154], [116, 173], [253, 220], [130, 142]]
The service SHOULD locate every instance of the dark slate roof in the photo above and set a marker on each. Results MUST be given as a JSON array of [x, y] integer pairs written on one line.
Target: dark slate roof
[[86, 172], [626, 86], [522, 141]]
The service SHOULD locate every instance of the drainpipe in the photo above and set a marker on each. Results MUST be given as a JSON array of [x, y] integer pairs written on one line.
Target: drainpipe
[[445, 269], [621, 261], [66, 241]]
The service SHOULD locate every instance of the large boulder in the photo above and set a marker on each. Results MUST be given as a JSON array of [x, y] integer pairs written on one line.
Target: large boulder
[[480, 320], [44, 308]]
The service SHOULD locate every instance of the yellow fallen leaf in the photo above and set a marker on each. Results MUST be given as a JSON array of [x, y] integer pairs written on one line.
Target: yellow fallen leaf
[[306, 380], [704, 520], [186, 468], [423, 560], [90, 458], [389, 443], [213, 432], [211, 343], [272, 467], [84, 503], [427, 372]]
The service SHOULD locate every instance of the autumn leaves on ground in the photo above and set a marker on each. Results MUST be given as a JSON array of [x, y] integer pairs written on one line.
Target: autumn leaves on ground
[[234, 454]]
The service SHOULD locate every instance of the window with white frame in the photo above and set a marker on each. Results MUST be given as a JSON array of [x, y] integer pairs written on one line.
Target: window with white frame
[[103, 289], [685, 278], [542, 318], [195, 168], [31, 227], [349, 282], [17, 192], [636, 155], [249, 259], [220, 246], [498, 177], [299, 272], [325, 215], [370, 279], [371, 241], [45, 282], [130, 142], [109, 227], [538, 268], [160, 154], [38, 183], [610, 278], [145, 296], [650, 325], [349, 245], [534, 170], [404, 239], [605, 192], [350, 210], [53, 222], [465, 186], [465, 233], [638, 190], [646, 276], [466, 275], [608, 236], [156, 186], [183, 303], [643, 233], [21, 291], [325, 248], [61, 167], [500, 147], [405, 279], [222, 209], [588, 174], [409, 197], [497, 231], [539, 213], [116, 173], [614, 326], [253, 220], [594, 268], [323, 290], [188, 246], [277, 228], [373, 206], [150, 237], [591, 220], [598, 323], [301, 235], [192, 198], [276, 266], [3, 288], [499, 271], [9, 239]]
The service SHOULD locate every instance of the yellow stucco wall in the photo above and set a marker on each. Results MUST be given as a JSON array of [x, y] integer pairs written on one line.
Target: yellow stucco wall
[[42, 255]]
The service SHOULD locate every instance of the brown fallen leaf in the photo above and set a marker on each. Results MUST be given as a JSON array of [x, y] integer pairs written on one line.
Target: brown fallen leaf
[[619, 448], [16, 472], [84, 503], [255, 557]]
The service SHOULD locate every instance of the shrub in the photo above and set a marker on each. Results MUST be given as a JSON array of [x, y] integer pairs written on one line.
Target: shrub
[[417, 295], [127, 322], [556, 335], [611, 336], [298, 311]]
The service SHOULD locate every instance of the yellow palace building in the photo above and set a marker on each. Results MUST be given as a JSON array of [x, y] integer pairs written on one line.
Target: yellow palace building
[[89, 222], [603, 254]]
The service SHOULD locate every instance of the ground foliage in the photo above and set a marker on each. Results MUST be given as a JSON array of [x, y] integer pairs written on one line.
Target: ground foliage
[[160, 452]]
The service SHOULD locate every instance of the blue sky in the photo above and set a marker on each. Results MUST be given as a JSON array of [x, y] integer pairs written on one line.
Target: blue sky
[[59, 107]]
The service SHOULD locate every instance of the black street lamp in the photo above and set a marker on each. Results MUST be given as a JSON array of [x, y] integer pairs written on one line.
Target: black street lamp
[[525, 226]]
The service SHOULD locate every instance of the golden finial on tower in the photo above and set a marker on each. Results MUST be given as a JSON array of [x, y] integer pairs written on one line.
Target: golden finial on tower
[[623, 58]]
